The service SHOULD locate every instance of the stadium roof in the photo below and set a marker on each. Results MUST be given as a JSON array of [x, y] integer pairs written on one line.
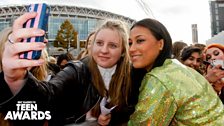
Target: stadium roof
[[129, 8]]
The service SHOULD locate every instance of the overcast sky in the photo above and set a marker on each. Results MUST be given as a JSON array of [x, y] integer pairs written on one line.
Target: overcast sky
[[176, 15]]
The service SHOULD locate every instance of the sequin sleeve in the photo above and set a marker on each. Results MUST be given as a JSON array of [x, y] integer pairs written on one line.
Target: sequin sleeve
[[174, 94], [156, 105]]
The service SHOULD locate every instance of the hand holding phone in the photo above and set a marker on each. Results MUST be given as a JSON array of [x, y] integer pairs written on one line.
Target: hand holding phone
[[41, 22], [218, 62]]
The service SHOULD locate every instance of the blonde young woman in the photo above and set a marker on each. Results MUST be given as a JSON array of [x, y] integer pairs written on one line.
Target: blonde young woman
[[75, 93], [3, 38]]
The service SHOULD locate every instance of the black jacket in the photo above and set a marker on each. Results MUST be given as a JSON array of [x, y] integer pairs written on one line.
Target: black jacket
[[68, 96]]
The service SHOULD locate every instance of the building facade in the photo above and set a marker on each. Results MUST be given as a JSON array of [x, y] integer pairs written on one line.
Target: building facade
[[84, 20], [216, 39], [217, 16], [194, 33]]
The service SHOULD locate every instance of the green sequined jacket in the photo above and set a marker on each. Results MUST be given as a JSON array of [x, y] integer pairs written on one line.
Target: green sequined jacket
[[176, 95]]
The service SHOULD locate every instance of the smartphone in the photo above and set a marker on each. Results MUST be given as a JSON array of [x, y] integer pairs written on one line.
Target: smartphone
[[218, 62], [41, 22]]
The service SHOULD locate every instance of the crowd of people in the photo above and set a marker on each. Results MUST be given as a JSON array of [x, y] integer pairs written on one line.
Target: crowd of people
[[134, 77], [208, 61]]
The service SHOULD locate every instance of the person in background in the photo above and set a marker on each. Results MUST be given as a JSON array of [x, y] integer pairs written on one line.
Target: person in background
[[200, 45], [52, 66], [103, 85], [3, 38], [176, 48], [192, 56], [202, 66], [52, 60], [214, 72], [170, 93], [63, 59], [87, 50]]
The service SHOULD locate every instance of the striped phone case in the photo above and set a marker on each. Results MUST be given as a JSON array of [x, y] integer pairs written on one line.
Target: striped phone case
[[41, 22]]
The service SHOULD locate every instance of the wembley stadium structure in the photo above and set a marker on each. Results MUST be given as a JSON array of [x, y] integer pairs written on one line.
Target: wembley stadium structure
[[84, 19]]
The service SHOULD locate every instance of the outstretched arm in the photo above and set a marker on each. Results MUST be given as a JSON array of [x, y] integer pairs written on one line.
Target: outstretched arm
[[14, 68]]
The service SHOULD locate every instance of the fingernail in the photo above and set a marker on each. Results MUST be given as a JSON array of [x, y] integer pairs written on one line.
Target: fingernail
[[39, 32], [40, 62], [41, 45], [33, 12]]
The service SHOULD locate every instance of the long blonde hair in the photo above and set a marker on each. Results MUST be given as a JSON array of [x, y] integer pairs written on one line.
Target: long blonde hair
[[120, 84], [41, 72], [4, 122], [3, 39]]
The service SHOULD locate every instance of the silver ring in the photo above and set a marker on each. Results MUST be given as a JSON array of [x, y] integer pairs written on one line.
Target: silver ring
[[9, 39]]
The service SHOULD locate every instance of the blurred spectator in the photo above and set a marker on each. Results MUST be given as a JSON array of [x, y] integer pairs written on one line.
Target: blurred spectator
[[63, 59], [191, 56], [51, 59], [214, 72], [199, 45], [176, 48], [87, 51], [202, 47], [3, 38], [53, 67]]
